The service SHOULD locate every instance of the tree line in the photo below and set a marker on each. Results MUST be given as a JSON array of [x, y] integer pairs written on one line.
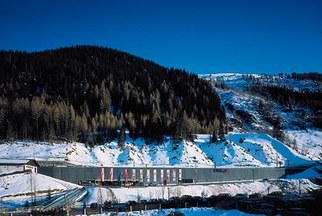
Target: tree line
[[290, 97], [93, 94]]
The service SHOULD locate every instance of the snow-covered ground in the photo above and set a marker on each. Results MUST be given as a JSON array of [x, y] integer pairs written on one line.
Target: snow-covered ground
[[19, 189], [148, 193], [16, 189], [252, 113], [308, 142], [259, 150], [186, 212], [312, 172]]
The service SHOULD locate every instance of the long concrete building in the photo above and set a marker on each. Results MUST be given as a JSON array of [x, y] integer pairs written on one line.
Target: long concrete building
[[157, 175]]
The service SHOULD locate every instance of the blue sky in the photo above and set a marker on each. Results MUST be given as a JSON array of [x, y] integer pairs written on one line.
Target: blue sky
[[247, 36]]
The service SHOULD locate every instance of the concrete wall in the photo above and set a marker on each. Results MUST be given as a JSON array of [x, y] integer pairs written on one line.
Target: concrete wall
[[154, 176]]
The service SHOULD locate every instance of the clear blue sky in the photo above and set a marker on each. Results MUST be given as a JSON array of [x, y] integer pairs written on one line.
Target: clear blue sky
[[247, 36]]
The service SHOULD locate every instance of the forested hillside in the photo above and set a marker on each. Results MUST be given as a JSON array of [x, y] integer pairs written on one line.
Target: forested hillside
[[286, 106], [93, 94]]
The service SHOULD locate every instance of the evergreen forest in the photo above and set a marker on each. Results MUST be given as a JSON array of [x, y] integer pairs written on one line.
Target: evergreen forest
[[94, 94]]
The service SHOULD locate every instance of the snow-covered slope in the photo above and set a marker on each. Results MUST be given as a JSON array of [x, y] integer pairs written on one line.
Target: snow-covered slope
[[16, 189], [250, 112], [238, 150], [21, 184]]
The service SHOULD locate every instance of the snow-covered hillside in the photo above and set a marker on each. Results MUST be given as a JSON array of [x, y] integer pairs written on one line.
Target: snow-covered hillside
[[238, 150], [21, 184], [250, 112], [16, 189]]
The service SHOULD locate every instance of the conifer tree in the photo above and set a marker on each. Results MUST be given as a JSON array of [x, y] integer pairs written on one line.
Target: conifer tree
[[121, 140]]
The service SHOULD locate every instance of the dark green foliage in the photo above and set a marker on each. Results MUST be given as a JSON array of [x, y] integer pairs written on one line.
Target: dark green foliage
[[314, 76], [121, 140], [221, 132], [288, 95], [214, 137], [87, 93], [278, 132]]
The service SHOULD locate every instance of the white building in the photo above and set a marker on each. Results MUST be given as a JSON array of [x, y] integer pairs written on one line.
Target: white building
[[17, 165]]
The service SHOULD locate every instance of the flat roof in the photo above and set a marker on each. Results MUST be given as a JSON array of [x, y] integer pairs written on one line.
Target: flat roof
[[17, 161]]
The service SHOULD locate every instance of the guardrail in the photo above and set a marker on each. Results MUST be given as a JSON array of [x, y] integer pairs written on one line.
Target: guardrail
[[67, 199]]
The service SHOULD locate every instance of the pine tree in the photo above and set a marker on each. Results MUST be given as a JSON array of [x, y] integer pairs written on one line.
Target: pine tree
[[214, 137], [121, 140], [221, 132]]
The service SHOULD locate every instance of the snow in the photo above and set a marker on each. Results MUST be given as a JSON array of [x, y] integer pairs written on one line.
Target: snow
[[295, 120], [240, 82], [258, 150], [255, 150], [15, 189], [273, 150], [186, 212], [20, 184], [125, 194], [312, 172], [308, 142], [8, 161]]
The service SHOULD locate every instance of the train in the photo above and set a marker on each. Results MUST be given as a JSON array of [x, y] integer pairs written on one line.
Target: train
[[154, 176]]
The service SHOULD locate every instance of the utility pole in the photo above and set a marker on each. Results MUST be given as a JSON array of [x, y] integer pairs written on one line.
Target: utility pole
[[1, 205], [195, 173], [31, 190], [35, 191]]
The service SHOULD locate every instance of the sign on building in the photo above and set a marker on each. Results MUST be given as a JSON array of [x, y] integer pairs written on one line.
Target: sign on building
[[111, 174], [141, 174], [162, 175], [148, 175], [155, 175], [133, 175]]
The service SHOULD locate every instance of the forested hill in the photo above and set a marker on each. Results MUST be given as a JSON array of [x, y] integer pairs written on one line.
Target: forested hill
[[93, 94]]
